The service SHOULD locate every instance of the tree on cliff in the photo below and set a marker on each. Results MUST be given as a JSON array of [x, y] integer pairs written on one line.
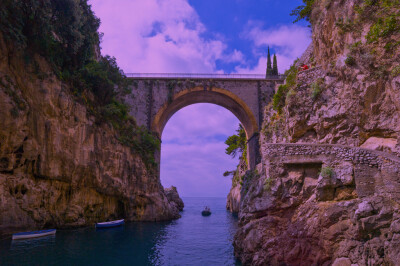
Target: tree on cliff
[[303, 11], [269, 64], [236, 143], [275, 66]]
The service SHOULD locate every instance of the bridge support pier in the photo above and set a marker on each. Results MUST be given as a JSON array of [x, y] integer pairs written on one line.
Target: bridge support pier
[[253, 151]]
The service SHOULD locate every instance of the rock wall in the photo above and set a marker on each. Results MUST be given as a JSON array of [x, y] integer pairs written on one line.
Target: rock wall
[[318, 204], [233, 199], [173, 198], [58, 168], [352, 95], [313, 204], [234, 196]]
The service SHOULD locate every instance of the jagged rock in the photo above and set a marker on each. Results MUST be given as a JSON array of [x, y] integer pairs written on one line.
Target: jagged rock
[[173, 197], [342, 262], [351, 216], [233, 199], [58, 167]]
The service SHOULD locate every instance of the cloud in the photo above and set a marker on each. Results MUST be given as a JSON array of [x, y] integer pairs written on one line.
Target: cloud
[[200, 121], [159, 36], [193, 151], [288, 41]]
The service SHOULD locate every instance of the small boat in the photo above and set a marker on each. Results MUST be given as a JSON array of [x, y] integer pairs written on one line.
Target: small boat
[[206, 212], [110, 224], [33, 234]]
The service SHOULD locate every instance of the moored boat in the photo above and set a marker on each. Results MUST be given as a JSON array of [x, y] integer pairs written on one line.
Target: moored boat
[[206, 212], [110, 224], [33, 234]]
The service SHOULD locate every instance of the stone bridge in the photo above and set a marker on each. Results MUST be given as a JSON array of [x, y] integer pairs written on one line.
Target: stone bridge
[[156, 97]]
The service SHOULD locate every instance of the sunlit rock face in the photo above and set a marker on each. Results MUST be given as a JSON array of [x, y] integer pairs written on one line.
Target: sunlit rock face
[[57, 167], [315, 204], [234, 196], [174, 199]]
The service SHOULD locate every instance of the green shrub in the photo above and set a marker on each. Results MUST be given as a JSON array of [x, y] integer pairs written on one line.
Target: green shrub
[[279, 98], [141, 141], [350, 61], [316, 88], [384, 27], [395, 71], [267, 184], [345, 25], [278, 101], [291, 93], [327, 172], [316, 91], [303, 11], [247, 180]]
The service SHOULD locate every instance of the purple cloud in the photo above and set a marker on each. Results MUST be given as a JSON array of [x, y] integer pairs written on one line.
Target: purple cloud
[[289, 42], [158, 36], [193, 153]]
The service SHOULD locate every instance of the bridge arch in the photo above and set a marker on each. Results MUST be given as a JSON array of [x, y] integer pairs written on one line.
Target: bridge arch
[[218, 96], [156, 97]]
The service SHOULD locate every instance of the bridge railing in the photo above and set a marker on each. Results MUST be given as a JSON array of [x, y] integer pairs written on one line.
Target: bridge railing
[[201, 76]]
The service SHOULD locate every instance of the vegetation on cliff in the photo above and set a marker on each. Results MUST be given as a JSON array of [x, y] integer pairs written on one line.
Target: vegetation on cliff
[[65, 34], [237, 145]]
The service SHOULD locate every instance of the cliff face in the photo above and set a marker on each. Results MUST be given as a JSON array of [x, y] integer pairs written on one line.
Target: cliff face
[[234, 195], [352, 96], [57, 166], [319, 204]]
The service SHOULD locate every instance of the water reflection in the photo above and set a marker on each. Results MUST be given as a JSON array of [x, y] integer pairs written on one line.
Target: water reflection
[[22, 245], [191, 240]]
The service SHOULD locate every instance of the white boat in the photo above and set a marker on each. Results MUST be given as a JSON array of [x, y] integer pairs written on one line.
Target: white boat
[[33, 234], [110, 224]]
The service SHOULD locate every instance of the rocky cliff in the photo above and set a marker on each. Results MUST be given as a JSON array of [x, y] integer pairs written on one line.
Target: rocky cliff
[[58, 168], [234, 195], [328, 187], [173, 197]]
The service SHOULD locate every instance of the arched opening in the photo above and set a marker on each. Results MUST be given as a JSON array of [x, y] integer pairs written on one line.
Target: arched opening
[[193, 151], [219, 97]]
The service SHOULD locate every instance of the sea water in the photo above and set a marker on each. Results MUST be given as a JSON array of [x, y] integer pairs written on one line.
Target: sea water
[[190, 240]]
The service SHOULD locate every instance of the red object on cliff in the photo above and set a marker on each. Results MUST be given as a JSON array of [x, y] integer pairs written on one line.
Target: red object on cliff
[[303, 67]]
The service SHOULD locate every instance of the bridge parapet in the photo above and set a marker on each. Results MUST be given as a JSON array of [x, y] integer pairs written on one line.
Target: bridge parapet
[[203, 76]]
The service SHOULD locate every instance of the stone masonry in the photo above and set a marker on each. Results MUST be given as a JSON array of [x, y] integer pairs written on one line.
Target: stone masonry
[[154, 100]]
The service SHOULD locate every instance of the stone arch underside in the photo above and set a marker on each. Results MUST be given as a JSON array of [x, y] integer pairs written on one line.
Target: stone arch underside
[[216, 96]]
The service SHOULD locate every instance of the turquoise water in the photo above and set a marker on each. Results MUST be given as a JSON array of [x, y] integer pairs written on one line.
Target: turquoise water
[[190, 240]]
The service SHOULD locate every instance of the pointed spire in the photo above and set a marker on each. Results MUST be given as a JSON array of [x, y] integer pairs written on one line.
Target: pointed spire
[[269, 65], [275, 66]]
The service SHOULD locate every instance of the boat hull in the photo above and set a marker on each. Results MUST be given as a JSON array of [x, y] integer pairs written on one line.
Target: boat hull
[[206, 213], [33, 234], [110, 224]]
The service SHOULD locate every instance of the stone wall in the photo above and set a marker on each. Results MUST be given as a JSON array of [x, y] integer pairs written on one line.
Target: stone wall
[[154, 101], [374, 171], [320, 204], [150, 95]]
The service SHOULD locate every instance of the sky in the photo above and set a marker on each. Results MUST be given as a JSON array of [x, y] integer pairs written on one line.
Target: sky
[[199, 36]]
